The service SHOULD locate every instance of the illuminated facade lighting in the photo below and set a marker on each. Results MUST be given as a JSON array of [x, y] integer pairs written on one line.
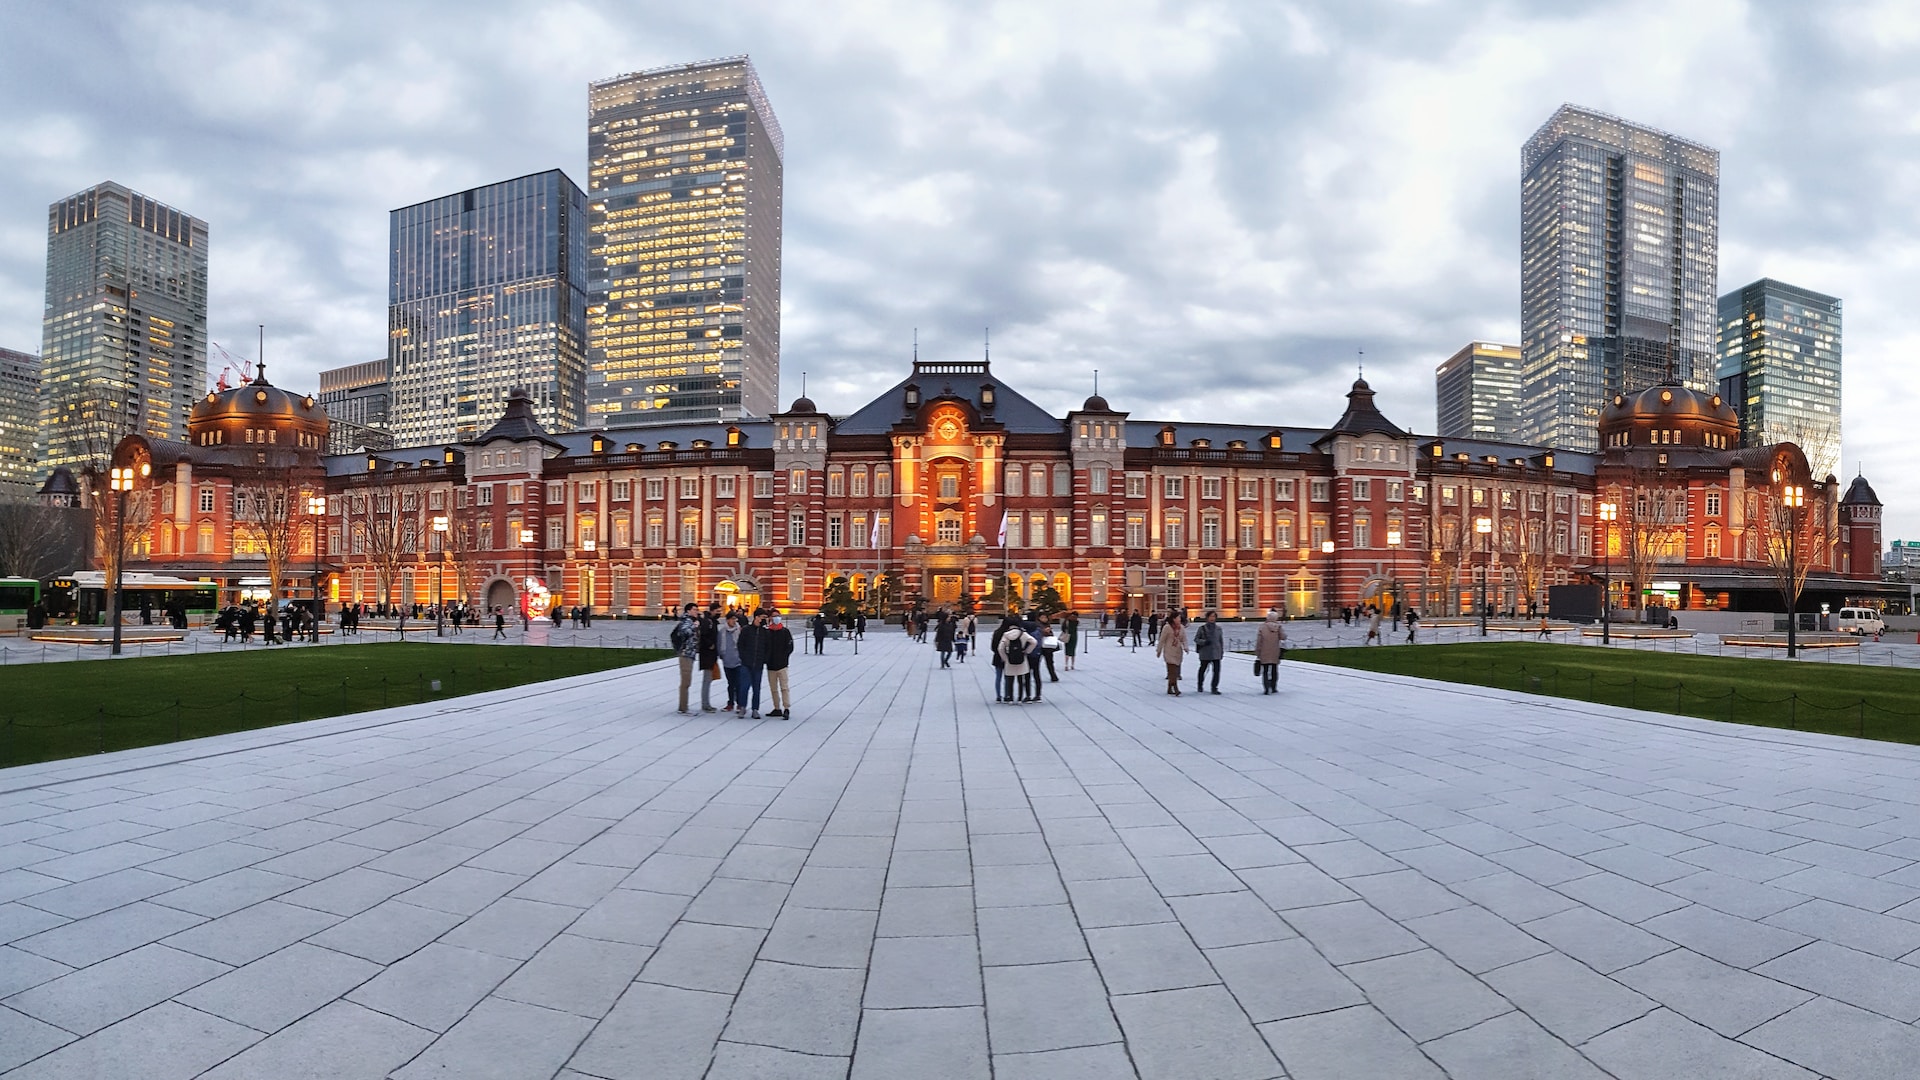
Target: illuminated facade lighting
[[1477, 393], [487, 293], [19, 421], [124, 335], [1780, 368], [684, 177]]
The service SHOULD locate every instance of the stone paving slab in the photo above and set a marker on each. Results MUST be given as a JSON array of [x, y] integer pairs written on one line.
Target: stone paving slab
[[1364, 876]]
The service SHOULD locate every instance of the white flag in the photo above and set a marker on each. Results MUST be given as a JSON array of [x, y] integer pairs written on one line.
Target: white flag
[[874, 541], [1003, 529]]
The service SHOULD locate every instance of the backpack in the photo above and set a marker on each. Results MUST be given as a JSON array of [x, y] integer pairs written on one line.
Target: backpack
[[680, 636], [1016, 651]]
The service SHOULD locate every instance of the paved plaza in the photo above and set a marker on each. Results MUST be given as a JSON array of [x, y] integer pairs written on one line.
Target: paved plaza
[[1365, 877]]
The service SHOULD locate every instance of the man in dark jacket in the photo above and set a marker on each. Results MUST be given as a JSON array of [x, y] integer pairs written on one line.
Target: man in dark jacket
[[753, 657], [1133, 625], [709, 658], [1210, 645], [779, 651], [820, 633]]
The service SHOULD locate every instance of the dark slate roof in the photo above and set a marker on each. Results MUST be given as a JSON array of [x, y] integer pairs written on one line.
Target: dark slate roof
[[60, 482], [1145, 434], [1479, 450], [580, 443], [1860, 493], [518, 423], [1362, 417], [1017, 414]]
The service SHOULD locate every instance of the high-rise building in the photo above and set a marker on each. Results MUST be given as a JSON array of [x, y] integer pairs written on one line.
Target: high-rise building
[[1780, 368], [1477, 393], [355, 397], [19, 422], [124, 334], [486, 294], [1619, 252], [684, 169]]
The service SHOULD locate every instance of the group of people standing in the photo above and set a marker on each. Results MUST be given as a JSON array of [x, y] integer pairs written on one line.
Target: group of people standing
[[1021, 647], [1209, 644], [293, 623], [737, 647]]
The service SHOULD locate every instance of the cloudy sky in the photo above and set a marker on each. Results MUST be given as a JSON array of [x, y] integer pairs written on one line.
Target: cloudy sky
[[1216, 205]]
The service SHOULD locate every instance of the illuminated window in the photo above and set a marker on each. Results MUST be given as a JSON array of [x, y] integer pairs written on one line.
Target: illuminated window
[[1097, 528], [1062, 531], [1174, 532], [797, 482], [1210, 531], [797, 528], [724, 531], [860, 482], [1249, 532], [656, 531], [690, 530], [1362, 531], [1283, 531], [1016, 482], [836, 482], [946, 527], [836, 530], [883, 481]]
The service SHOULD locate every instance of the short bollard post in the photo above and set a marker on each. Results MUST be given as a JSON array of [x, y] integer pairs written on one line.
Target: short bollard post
[[100, 723]]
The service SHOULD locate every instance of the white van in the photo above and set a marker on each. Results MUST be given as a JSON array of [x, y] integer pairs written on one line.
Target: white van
[[1859, 620]]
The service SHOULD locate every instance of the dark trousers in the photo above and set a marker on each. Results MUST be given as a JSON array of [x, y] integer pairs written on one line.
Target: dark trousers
[[1011, 681], [1030, 682], [1000, 672], [1200, 683], [1047, 655]]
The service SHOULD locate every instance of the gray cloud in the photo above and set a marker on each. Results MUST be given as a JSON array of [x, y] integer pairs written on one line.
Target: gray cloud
[[1216, 205]]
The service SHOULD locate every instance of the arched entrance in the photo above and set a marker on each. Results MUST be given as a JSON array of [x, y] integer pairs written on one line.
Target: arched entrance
[[500, 594], [738, 592]]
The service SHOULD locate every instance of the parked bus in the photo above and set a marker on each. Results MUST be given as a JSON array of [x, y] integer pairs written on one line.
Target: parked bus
[[85, 597], [17, 597]]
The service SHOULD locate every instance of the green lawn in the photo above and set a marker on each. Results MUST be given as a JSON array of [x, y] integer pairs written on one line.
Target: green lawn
[[63, 710], [1873, 703]]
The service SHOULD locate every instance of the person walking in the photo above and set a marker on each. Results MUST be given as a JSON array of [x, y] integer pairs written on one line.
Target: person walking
[[500, 629], [1210, 646], [779, 649], [1014, 646], [1413, 623], [820, 634], [1070, 637], [1153, 628], [1049, 645], [753, 659], [1268, 647], [1171, 647], [943, 639], [1545, 634], [1374, 636]]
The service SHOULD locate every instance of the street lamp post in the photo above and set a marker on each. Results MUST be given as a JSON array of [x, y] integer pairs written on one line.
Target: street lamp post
[[1326, 548], [1393, 543], [526, 549], [316, 509], [439, 578], [1609, 512], [130, 465], [1484, 526], [1795, 498]]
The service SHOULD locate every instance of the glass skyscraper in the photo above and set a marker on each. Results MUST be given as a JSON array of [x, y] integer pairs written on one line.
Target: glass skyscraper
[[1619, 252], [123, 345], [19, 422], [1477, 393], [1780, 368], [684, 170], [487, 292]]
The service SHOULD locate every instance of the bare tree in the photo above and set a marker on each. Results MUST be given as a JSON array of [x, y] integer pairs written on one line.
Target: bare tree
[[1795, 540], [1653, 525], [39, 541], [461, 543], [388, 533], [270, 512]]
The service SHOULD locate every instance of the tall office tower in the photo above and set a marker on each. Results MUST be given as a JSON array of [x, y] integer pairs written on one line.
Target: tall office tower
[[124, 335], [1780, 368], [355, 397], [1478, 393], [1619, 250], [685, 174], [19, 422], [487, 293]]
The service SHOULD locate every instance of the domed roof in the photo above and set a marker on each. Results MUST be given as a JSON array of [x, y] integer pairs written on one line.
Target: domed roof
[[1860, 493], [803, 404], [1670, 400], [257, 404], [1096, 403]]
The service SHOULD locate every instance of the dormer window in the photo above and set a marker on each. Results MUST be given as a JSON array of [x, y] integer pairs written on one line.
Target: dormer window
[[986, 396], [703, 444], [599, 444], [1201, 444], [733, 436], [1166, 436], [913, 397]]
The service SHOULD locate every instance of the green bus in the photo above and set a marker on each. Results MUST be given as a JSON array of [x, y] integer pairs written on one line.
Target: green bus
[[17, 595]]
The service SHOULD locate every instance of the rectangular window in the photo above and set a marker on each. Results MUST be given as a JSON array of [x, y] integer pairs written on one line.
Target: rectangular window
[[657, 489], [1320, 534], [1016, 482], [1396, 490], [1283, 531], [1037, 529], [950, 484], [885, 522], [483, 495], [556, 493], [689, 487], [1210, 590], [206, 500], [1449, 495], [516, 492], [1508, 499], [1136, 486], [1063, 480], [1283, 490], [622, 532], [589, 491], [1362, 532], [1536, 501], [409, 501], [1210, 532], [690, 530], [1713, 505], [1209, 487], [860, 483], [797, 529], [556, 533], [1176, 487], [1249, 590], [762, 529], [1062, 531], [723, 487], [1097, 480], [1014, 525], [1136, 530], [763, 487], [1479, 496], [1249, 533], [1249, 490], [1586, 506], [946, 528], [656, 532], [1713, 543], [836, 530], [1174, 533], [622, 490], [1097, 528], [724, 532], [1362, 490], [836, 483], [797, 482], [882, 481], [1319, 491]]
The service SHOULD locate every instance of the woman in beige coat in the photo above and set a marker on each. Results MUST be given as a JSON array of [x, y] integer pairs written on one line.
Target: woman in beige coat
[[1267, 650], [1172, 648]]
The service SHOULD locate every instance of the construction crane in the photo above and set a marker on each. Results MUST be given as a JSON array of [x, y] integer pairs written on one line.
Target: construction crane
[[234, 366]]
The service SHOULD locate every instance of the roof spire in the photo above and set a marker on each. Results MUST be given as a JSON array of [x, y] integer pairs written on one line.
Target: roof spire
[[260, 369], [916, 344], [1096, 382], [1361, 364]]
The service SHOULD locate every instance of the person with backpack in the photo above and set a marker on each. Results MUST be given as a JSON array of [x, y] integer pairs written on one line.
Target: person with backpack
[[1014, 647], [1413, 623], [999, 660], [1210, 645]]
